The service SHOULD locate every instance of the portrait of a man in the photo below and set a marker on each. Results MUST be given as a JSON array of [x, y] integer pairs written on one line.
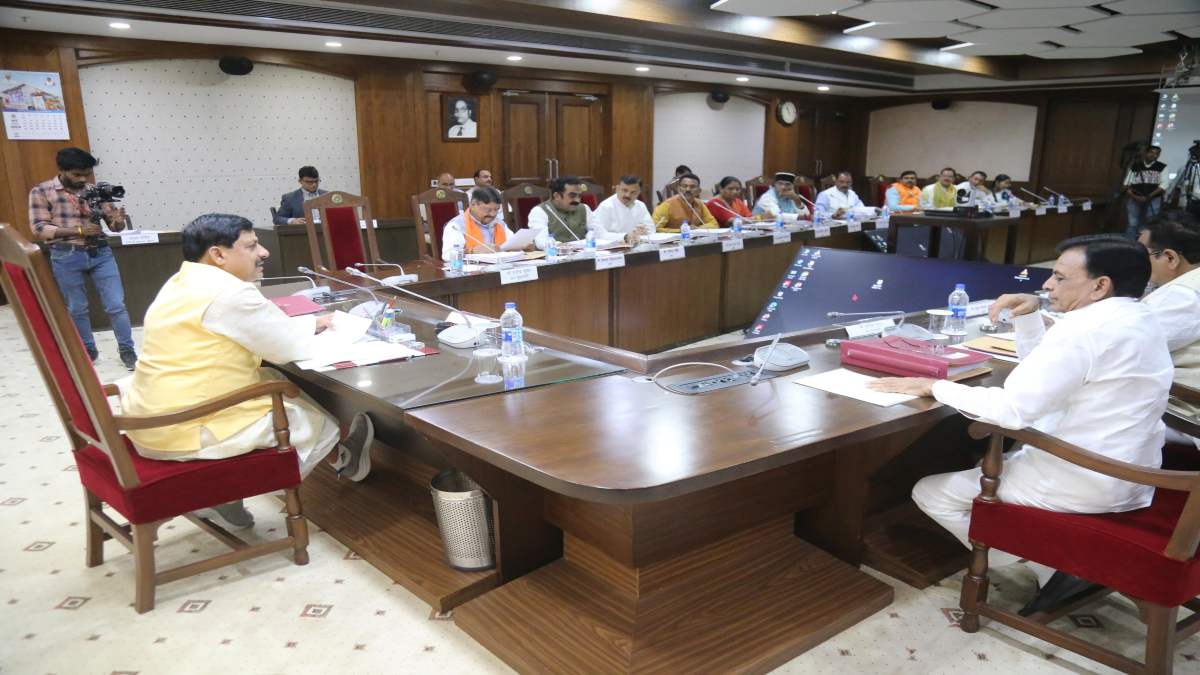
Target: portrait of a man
[[462, 121]]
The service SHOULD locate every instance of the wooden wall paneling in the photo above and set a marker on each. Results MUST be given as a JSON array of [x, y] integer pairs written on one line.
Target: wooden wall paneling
[[1079, 144], [750, 276], [831, 134], [392, 159], [782, 145], [660, 306], [631, 133], [579, 136], [544, 304], [459, 158], [523, 152]]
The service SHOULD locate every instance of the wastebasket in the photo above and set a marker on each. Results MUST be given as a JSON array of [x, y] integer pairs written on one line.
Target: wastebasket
[[464, 515]]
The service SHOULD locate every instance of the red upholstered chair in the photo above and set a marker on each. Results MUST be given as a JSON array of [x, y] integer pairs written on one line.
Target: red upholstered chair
[[879, 187], [1148, 555], [519, 200], [592, 195], [805, 188], [755, 188], [342, 219], [145, 492], [432, 209]]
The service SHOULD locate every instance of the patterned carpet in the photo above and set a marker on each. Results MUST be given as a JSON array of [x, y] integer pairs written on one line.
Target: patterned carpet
[[339, 614]]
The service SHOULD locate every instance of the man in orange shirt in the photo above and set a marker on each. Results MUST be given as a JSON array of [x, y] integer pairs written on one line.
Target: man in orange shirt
[[904, 195], [476, 230]]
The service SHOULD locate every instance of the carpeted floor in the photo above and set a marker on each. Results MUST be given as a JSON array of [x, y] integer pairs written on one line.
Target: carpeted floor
[[339, 614]]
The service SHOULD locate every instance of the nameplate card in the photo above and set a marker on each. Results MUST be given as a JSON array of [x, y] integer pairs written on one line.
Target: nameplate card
[[781, 238], [516, 275], [1039, 211], [1014, 211], [671, 253], [731, 245], [607, 262], [857, 330], [1062, 208], [822, 231], [362, 224], [135, 238], [1086, 205], [853, 226]]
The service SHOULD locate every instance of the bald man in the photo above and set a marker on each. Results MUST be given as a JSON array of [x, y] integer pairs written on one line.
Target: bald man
[[445, 181]]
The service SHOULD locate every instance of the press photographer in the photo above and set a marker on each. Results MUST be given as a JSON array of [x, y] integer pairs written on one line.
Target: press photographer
[[66, 213]]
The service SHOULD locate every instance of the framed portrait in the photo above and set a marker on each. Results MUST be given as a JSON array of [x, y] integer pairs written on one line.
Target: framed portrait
[[460, 115]]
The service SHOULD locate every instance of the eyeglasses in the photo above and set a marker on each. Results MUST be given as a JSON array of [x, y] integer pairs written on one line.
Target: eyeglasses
[[1156, 253]]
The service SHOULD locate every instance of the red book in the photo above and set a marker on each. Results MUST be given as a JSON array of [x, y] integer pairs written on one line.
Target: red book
[[907, 357], [297, 305]]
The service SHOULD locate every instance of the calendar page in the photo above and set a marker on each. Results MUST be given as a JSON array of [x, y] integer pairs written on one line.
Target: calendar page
[[33, 106]]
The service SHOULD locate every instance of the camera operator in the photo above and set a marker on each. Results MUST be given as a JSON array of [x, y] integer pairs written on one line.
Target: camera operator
[[65, 213], [1145, 184], [1188, 186]]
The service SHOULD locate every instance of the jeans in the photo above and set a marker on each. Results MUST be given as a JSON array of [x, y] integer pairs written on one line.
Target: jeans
[[70, 267], [1139, 214]]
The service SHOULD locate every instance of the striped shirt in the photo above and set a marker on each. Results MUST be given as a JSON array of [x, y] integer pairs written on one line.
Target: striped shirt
[[52, 206]]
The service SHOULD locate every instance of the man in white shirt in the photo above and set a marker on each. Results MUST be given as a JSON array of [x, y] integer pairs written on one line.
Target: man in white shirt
[[478, 229], [781, 199], [1098, 379], [839, 199], [623, 213], [205, 335], [975, 187], [564, 216]]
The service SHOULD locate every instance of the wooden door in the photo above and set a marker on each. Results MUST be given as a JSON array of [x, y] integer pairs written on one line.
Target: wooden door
[[830, 143], [526, 150], [577, 130]]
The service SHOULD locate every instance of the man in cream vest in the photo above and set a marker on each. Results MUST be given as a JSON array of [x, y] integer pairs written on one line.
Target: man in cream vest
[[206, 335]]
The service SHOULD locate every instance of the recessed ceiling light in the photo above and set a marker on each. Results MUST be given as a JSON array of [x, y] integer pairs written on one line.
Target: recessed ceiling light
[[957, 46], [643, 69], [823, 88], [514, 57], [119, 25], [742, 78], [333, 44]]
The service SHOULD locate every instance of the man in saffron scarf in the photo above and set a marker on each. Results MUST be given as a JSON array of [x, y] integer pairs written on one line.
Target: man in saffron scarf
[[904, 195], [476, 230]]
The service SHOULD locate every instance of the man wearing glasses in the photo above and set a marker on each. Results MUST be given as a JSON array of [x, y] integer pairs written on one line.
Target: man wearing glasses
[[1174, 243], [291, 206]]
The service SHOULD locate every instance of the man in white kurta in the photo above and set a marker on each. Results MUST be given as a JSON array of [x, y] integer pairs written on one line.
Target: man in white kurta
[[840, 199], [623, 214], [479, 229], [1098, 379], [205, 335]]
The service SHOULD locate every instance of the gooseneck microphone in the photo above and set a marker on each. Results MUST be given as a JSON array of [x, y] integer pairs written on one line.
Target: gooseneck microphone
[[401, 278], [766, 359], [1034, 195], [308, 279], [305, 270], [364, 275], [457, 335]]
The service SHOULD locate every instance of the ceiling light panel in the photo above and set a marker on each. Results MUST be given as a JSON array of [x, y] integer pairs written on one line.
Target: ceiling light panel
[[1040, 4], [1151, 6], [909, 11], [1003, 49], [1036, 18], [1087, 52], [922, 29], [986, 36], [784, 7]]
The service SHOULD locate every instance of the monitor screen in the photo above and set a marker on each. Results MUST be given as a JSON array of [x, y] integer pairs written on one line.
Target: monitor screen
[[823, 280]]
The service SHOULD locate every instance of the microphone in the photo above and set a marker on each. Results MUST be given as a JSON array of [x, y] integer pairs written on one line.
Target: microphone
[[1034, 195], [305, 270], [758, 374], [401, 278], [1056, 194], [456, 335]]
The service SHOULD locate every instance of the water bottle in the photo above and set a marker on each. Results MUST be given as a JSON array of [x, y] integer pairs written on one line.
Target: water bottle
[[512, 333], [514, 374], [884, 218], [685, 231], [779, 223], [456, 259], [818, 216], [850, 216], [590, 241], [737, 228], [956, 323], [552, 249]]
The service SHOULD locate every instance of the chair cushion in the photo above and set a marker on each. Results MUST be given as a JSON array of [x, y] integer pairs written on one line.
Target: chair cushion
[[590, 199], [171, 488], [524, 206], [440, 213], [345, 235], [1123, 551]]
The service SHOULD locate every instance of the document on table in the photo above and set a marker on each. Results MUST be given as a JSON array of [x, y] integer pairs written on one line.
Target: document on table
[[333, 344], [362, 353], [852, 385], [521, 240]]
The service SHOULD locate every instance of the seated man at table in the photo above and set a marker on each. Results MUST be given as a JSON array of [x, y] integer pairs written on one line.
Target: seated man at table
[[904, 195], [686, 206], [839, 199], [206, 335], [445, 181], [975, 190], [942, 194], [1098, 379], [291, 205], [478, 229], [483, 178], [564, 216], [781, 198], [623, 213]]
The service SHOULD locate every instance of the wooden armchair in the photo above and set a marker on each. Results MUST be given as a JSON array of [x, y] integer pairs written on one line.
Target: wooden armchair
[[1148, 555], [592, 195], [432, 209], [878, 189], [755, 188], [519, 200], [806, 189], [342, 219], [145, 492], [828, 182]]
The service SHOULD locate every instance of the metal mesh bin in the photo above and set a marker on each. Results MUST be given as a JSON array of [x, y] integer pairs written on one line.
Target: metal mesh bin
[[464, 515]]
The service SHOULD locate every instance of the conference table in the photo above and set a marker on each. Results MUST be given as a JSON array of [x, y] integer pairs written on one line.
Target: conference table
[[637, 529]]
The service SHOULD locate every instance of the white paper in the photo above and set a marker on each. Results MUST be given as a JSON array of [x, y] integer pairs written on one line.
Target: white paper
[[671, 253], [821, 231], [493, 258], [521, 240], [851, 385], [609, 261], [661, 237], [1014, 211], [853, 226], [857, 330], [1062, 208], [730, 245], [362, 354], [516, 275], [1086, 205], [782, 238], [1010, 336], [1039, 211], [135, 237]]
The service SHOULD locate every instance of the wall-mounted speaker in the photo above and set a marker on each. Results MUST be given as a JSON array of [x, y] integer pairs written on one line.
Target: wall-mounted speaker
[[235, 65], [480, 79], [719, 96], [940, 104]]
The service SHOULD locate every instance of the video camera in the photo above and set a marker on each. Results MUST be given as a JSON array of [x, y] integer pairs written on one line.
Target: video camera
[[102, 193]]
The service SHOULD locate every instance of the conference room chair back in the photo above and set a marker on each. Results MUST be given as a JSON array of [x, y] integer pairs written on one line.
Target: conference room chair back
[[755, 188], [669, 190], [828, 182], [343, 219], [879, 187], [592, 195], [432, 209], [1148, 555], [519, 200], [145, 492], [804, 187]]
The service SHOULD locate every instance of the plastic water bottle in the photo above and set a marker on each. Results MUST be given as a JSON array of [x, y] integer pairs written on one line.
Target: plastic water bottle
[[685, 231], [956, 323], [456, 259], [514, 373], [850, 216], [551, 249], [736, 229], [589, 241], [512, 333], [885, 217], [779, 223], [818, 216]]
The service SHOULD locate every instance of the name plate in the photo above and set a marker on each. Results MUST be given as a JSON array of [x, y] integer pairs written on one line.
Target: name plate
[[853, 226], [1039, 211], [1014, 211], [362, 224], [821, 231], [135, 238], [1062, 208], [876, 327], [607, 262], [670, 253], [516, 275], [1086, 205], [730, 245], [781, 238]]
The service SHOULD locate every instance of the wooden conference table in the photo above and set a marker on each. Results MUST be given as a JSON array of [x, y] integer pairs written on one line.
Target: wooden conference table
[[638, 530]]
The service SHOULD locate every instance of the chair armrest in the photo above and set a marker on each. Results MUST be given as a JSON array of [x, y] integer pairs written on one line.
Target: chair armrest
[[1185, 393], [1171, 480], [111, 389], [1182, 423], [275, 389]]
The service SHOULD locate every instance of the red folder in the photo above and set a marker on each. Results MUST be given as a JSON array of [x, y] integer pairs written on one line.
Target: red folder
[[297, 305], [907, 357]]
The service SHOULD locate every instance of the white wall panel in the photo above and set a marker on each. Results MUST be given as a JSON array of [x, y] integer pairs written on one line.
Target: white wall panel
[[186, 139], [714, 142]]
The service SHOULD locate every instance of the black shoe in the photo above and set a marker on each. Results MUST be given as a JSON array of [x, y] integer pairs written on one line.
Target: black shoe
[[93, 353], [1062, 589], [129, 358]]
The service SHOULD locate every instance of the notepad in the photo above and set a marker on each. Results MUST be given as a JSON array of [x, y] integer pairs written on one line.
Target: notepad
[[851, 385]]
